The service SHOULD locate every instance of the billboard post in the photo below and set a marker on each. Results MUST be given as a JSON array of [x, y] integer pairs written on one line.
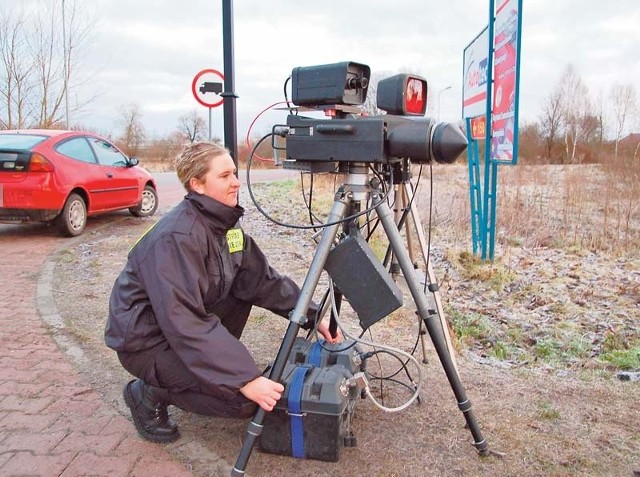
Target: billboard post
[[491, 73]]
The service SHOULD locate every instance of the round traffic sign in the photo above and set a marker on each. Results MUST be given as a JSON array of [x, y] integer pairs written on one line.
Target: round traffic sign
[[207, 86]]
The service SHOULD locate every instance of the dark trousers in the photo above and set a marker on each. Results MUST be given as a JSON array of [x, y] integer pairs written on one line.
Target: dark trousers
[[161, 367]]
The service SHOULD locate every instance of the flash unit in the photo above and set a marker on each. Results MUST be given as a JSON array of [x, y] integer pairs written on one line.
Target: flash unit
[[403, 95]]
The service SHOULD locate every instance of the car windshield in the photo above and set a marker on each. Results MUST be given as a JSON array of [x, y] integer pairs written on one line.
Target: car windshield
[[20, 141]]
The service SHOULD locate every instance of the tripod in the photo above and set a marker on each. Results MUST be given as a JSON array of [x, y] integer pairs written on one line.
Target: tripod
[[356, 187], [405, 210]]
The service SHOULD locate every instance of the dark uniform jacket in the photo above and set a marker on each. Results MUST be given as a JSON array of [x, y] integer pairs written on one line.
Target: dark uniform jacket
[[191, 260]]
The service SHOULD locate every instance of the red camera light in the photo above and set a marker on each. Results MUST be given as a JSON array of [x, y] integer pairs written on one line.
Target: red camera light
[[415, 96], [403, 95]]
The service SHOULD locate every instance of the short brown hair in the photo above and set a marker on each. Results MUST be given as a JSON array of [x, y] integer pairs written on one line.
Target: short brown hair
[[194, 160]]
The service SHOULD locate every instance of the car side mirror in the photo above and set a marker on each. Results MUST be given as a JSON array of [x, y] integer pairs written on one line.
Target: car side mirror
[[134, 161]]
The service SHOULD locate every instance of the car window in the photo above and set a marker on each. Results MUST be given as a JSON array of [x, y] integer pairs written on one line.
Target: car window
[[14, 161], [107, 153], [20, 141], [77, 148]]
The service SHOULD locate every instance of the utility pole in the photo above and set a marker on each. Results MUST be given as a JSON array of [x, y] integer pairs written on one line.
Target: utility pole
[[229, 95]]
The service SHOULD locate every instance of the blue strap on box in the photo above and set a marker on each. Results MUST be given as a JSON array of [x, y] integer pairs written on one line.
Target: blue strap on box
[[315, 354], [295, 411]]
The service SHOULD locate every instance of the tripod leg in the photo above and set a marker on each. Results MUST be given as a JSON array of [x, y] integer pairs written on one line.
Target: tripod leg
[[408, 205], [297, 318], [395, 239], [398, 207], [406, 202], [430, 275]]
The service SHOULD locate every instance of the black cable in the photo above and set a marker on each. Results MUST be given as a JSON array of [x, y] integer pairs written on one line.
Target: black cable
[[313, 219], [277, 222], [402, 363], [291, 109], [410, 387], [430, 223]]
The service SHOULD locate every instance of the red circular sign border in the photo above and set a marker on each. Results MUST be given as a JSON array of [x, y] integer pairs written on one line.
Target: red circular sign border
[[194, 90]]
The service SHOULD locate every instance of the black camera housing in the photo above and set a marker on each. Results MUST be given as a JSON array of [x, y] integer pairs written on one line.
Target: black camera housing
[[338, 83]]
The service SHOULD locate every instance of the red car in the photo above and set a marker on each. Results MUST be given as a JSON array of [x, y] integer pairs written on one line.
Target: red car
[[65, 176]]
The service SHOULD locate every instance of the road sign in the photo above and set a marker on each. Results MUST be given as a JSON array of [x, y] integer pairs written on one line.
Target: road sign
[[207, 86], [479, 127], [475, 76]]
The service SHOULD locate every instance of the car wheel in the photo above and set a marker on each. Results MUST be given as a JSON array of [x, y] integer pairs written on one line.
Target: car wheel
[[148, 203], [73, 217]]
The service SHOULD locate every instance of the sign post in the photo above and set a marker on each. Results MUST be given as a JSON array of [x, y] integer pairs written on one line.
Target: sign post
[[490, 106], [207, 88], [476, 75]]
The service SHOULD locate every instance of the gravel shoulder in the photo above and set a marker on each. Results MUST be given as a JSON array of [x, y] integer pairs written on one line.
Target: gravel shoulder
[[565, 415]]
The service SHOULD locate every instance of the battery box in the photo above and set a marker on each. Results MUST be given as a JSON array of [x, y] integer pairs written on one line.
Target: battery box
[[313, 419], [323, 354]]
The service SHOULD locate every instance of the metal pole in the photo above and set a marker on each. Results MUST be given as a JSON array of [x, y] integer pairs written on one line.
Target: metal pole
[[210, 124], [229, 95], [66, 68], [487, 206], [440, 94]]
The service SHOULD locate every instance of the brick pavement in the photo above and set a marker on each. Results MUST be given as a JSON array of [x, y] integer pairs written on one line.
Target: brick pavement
[[52, 423]]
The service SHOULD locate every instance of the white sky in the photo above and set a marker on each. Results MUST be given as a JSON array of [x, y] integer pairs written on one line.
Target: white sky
[[148, 51]]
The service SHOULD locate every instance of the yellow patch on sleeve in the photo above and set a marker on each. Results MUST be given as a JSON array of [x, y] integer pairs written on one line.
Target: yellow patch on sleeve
[[235, 240], [142, 236]]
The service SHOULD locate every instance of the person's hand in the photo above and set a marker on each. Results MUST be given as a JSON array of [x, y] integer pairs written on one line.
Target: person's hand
[[323, 329], [264, 392]]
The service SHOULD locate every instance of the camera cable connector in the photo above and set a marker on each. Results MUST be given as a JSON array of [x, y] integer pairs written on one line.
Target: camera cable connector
[[360, 381]]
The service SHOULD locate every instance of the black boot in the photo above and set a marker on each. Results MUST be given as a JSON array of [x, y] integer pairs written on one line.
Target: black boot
[[149, 411]]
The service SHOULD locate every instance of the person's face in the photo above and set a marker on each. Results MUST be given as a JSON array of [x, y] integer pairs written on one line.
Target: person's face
[[220, 182]]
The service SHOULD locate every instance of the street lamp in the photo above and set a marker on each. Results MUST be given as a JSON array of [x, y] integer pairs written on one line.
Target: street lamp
[[440, 94]]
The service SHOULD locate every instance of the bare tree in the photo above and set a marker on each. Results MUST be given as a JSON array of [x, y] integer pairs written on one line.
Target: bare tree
[[14, 69], [133, 135], [192, 126], [576, 112], [623, 105], [551, 119], [38, 64]]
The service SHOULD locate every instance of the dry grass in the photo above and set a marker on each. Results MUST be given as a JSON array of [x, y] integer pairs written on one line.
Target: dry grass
[[591, 207]]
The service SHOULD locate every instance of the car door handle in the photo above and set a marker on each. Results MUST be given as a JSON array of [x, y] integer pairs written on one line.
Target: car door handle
[[109, 175]]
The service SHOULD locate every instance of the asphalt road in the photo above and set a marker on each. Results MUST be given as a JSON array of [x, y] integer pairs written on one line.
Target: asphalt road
[[170, 192]]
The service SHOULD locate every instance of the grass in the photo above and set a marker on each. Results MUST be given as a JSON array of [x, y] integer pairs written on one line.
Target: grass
[[619, 351], [67, 256], [561, 345], [593, 207], [585, 211], [547, 412], [543, 423], [623, 359], [468, 327], [579, 210]]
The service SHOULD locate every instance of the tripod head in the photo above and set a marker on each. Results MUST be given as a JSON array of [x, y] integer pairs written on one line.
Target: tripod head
[[357, 181]]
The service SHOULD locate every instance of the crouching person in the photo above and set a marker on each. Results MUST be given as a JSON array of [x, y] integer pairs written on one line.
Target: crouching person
[[178, 308]]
